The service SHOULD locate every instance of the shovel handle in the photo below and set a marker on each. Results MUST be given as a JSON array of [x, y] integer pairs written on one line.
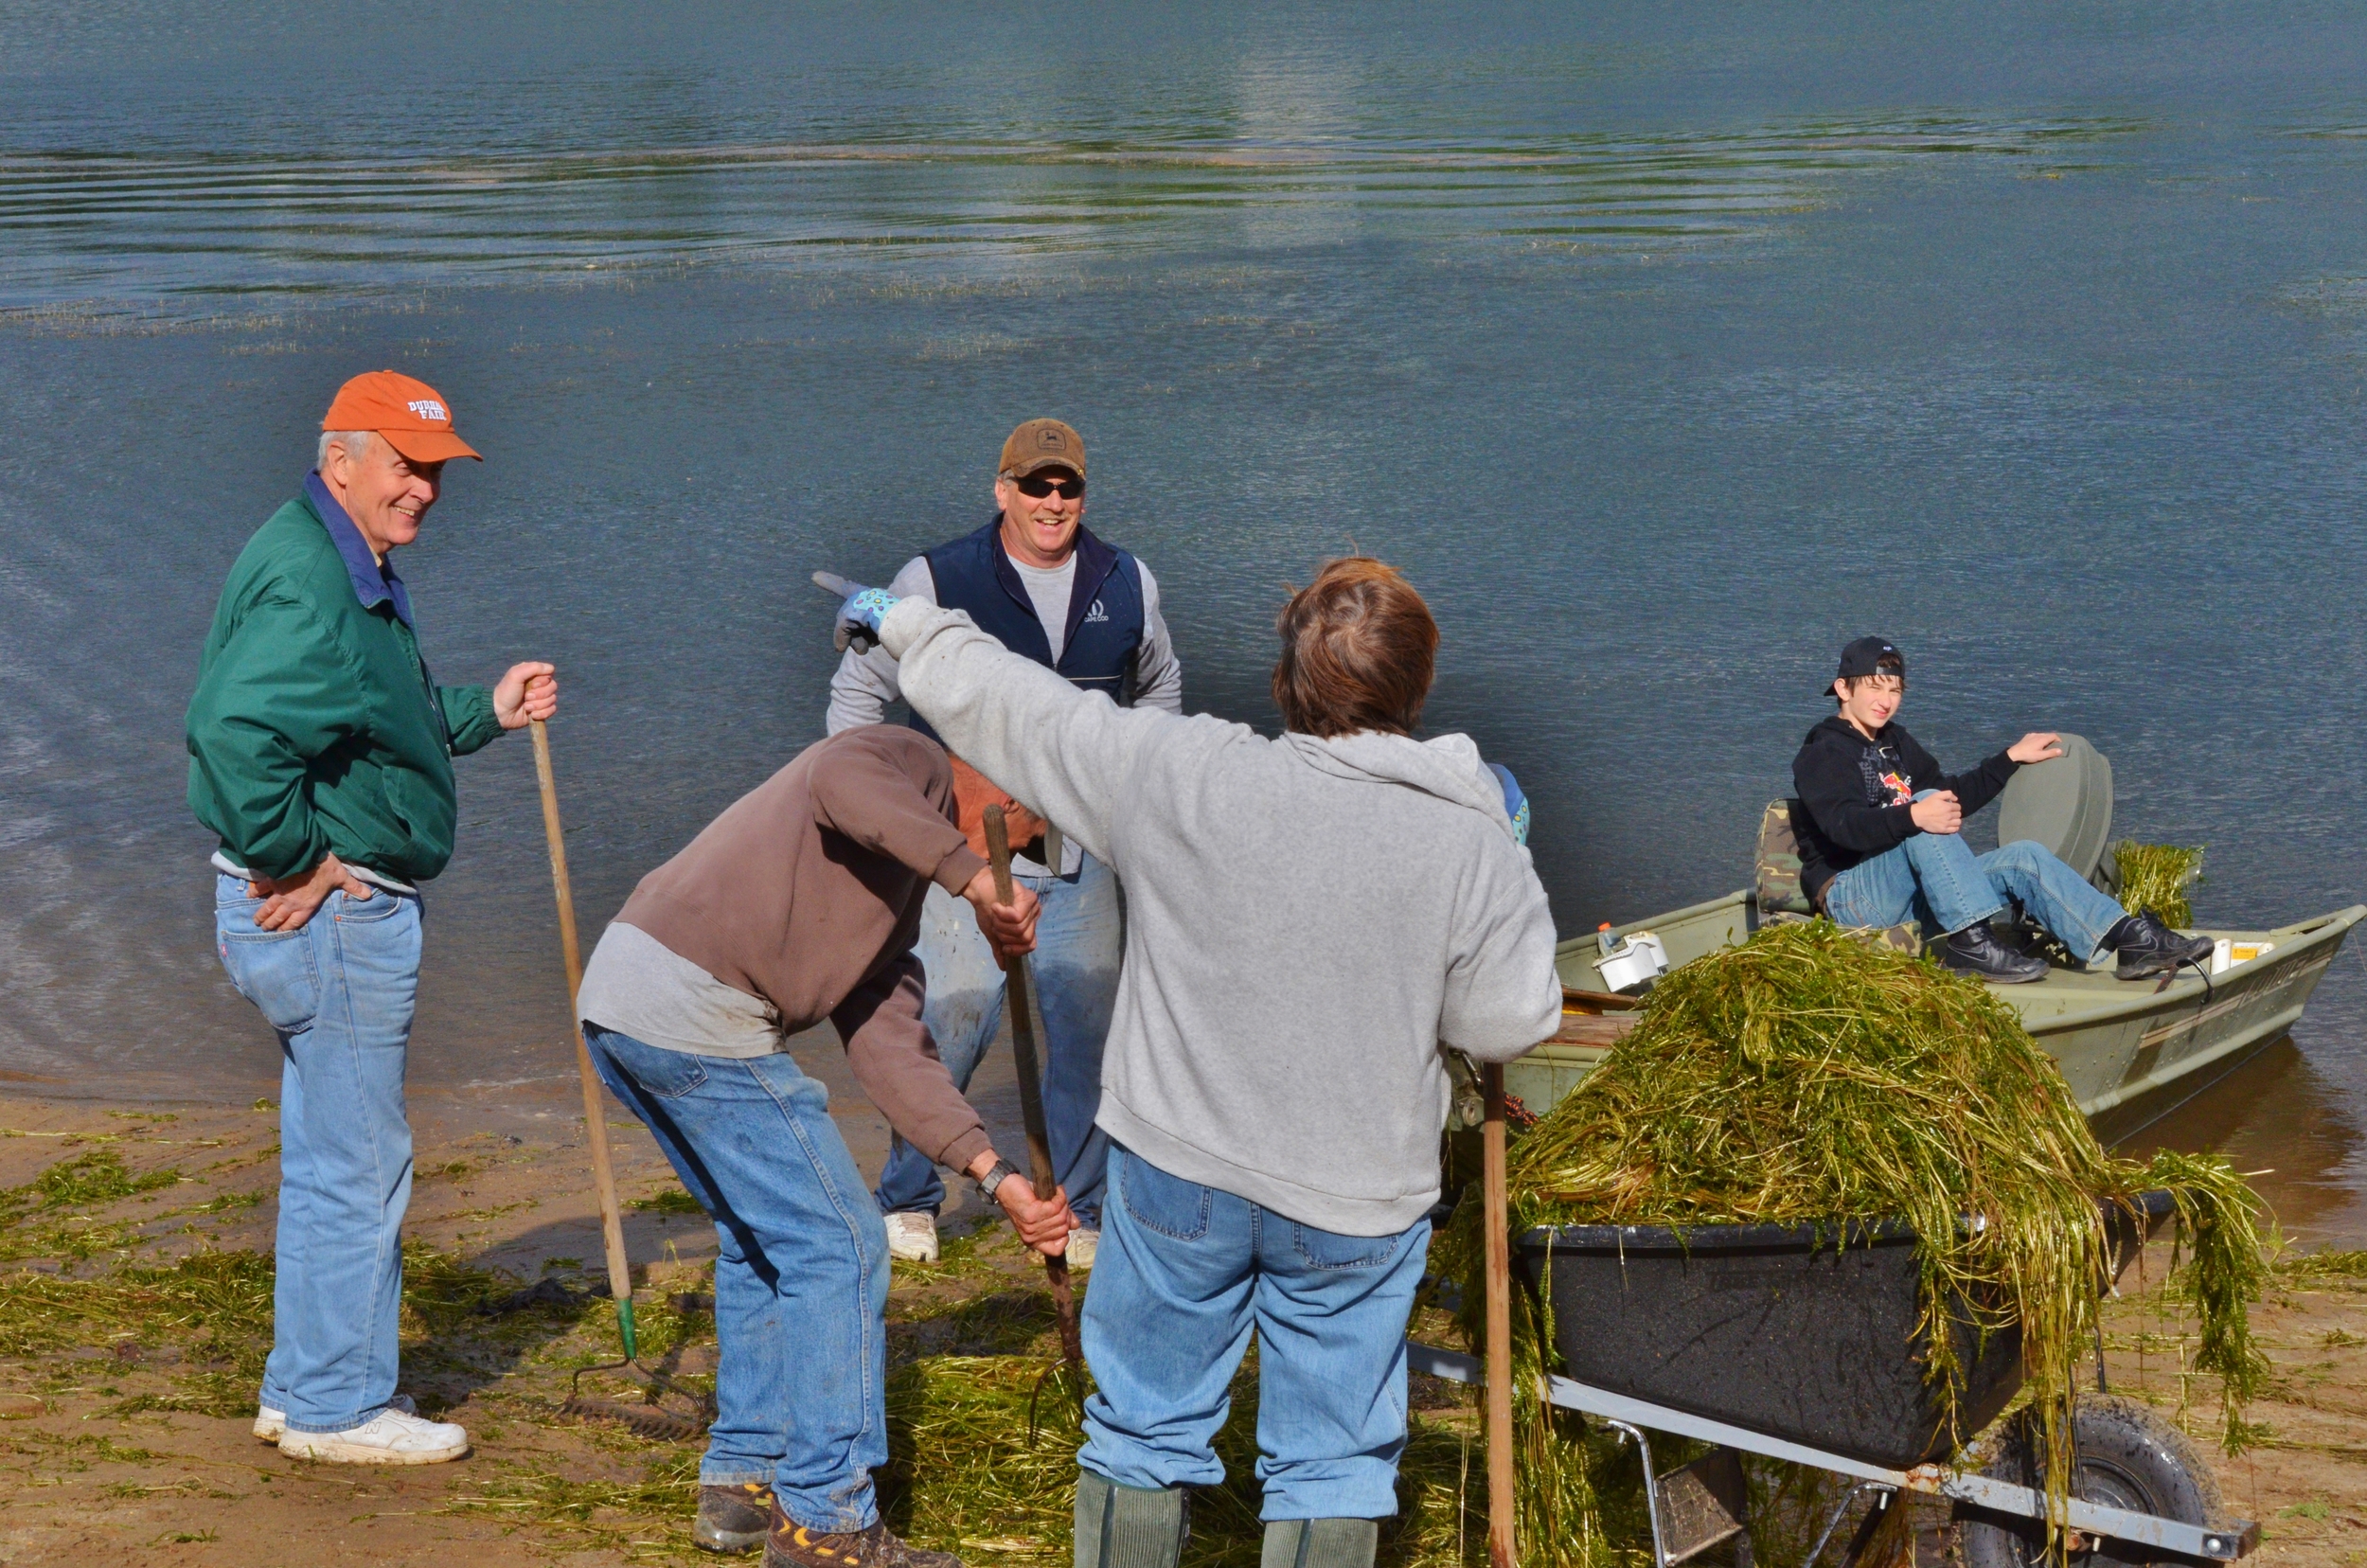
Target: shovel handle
[[1020, 993], [594, 1110]]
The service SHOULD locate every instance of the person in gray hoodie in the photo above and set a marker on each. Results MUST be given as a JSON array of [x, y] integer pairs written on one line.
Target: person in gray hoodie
[[1311, 921]]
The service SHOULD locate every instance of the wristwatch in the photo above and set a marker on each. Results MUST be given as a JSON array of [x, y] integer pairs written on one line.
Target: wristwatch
[[996, 1175]]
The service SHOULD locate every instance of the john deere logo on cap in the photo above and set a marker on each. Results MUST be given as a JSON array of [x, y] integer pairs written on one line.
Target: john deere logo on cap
[[428, 408], [1051, 439]]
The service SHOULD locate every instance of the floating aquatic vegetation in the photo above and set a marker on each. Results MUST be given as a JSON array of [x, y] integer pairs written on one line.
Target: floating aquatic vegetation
[[2156, 877], [1812, 1077]]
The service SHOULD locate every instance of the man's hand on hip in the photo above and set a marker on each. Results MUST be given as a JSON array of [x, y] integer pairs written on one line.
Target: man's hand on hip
[[1939, 813], [525, 692], [2037, 746], [1010, 928], [290, 901]]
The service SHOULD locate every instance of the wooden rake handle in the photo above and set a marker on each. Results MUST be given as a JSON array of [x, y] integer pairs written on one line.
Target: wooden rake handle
[[1495, 1221], [594, 1108]]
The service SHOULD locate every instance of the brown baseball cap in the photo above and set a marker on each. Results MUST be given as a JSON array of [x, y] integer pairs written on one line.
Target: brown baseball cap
[[412, 415], [1039, 444]]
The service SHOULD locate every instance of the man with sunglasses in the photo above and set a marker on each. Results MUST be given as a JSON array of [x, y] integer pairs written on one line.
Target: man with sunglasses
[[1036, 579]]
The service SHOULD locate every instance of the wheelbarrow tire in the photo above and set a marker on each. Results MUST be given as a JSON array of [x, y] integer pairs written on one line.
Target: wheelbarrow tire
[[2127, 1457]]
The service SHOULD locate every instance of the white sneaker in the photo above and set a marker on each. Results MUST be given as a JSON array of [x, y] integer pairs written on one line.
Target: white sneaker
[[270, 1423], [389, 1437], [1082, 1245], [913, 1236]]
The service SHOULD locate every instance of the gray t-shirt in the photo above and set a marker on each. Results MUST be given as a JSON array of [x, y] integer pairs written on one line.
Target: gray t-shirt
[[1048, 590], [636, 984]]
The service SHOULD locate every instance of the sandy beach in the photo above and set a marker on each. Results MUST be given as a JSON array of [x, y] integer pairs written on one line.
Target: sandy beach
[[134, 1309]]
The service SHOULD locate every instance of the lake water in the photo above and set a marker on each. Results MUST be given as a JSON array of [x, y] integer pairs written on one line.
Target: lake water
[[1667, 346]]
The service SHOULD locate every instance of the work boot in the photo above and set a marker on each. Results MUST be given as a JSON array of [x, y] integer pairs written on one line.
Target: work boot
[[2148, 948], [1319, 1543], [1975, 951], [733, 1519], [1130, 1526], [790, 1544]]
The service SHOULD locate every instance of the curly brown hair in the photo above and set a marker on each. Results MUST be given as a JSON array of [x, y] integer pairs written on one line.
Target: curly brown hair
[[1359, 647]]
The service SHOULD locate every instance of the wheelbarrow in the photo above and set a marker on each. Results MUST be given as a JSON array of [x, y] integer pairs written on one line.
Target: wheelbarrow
[[1797, 1342]]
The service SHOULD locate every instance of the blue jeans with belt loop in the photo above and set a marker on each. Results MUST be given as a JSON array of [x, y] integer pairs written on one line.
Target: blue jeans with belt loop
[[1938, 879], [339, 991], [801, 1279], [1080, 938], [1185, 1273]]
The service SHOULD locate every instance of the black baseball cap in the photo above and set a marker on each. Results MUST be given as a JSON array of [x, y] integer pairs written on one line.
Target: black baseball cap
[[1869, 657]]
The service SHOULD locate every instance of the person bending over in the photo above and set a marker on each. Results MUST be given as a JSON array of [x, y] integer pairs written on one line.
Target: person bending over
[[797, 904], [1878, 829], [1309, 919]]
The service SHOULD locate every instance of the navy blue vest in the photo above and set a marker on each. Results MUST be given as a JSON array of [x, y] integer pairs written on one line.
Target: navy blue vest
[[1104, 636]]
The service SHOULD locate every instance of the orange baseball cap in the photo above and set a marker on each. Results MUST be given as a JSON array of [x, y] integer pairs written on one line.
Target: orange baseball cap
[[412, 415]]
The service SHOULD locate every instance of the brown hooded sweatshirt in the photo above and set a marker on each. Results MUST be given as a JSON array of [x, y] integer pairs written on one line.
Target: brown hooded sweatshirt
[[806, 892]]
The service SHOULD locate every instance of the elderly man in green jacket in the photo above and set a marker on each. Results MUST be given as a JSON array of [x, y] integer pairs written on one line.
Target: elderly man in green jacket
[[322, 760]]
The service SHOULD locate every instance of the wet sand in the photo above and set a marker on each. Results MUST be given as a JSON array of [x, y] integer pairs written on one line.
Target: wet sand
[[129, 1440]]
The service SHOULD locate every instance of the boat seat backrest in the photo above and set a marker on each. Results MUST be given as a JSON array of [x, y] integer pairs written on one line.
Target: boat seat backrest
[[1776, 880], [1775, 873]]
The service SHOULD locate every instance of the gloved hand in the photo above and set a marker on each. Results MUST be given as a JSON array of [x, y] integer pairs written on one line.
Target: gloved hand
[[860, 612], [1516, 804]]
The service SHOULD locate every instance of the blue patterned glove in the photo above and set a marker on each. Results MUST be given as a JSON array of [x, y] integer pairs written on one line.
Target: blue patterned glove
[[860, 612], [1516, 804]]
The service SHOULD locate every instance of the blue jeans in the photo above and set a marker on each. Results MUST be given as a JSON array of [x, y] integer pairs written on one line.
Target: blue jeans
[[339, 992], [801, 1278], [1080, 937], [1183, 1274], [1934, 878]]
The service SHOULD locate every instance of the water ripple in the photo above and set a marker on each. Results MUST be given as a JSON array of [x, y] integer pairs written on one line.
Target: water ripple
[[77, 226]]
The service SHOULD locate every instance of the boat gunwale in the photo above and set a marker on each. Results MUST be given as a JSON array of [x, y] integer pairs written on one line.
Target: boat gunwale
[[2294, 942]]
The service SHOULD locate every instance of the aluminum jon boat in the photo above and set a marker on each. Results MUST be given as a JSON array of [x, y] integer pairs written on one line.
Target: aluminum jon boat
[[2132, 1051]]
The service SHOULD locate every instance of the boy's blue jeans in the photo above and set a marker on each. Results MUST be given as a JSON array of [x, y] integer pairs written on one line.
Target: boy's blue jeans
[[339, 991], [1185, 1273], [801, 1279], [1080, 938], [1940, 881]]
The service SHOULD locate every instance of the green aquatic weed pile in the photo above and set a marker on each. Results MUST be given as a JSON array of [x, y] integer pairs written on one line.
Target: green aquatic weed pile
[[2156, 877], [1812, 1077]]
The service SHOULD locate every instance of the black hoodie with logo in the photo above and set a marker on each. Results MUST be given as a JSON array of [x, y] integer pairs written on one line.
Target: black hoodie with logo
[[1853, 798]]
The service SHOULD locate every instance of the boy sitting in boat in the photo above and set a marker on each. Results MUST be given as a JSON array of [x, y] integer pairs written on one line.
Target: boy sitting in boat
[[1877, 826]]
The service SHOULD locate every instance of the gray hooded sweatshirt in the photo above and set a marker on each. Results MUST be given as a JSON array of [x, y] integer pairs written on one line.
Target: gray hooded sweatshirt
[[1307, 922]]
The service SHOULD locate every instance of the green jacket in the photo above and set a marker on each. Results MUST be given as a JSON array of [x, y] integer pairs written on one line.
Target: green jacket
[[315, 725]]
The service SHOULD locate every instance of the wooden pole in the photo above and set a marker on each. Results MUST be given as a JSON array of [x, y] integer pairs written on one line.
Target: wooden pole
[[594, 1108], [1017, 993], [1502, 1542]]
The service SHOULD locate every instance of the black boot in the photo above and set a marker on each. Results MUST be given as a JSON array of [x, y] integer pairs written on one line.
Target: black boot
[[2148, 948], [733, 1519], [1975, 951]]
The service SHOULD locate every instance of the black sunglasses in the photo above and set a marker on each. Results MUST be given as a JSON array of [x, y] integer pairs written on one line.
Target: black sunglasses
[[1036, 486]]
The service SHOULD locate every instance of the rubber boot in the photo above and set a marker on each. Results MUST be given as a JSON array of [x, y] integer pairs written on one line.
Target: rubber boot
[[1128, 1526], [1321, 1543]]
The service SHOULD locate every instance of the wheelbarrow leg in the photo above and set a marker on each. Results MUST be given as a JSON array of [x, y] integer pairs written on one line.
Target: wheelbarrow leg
[[1842, 1511], [1652, 1490]]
